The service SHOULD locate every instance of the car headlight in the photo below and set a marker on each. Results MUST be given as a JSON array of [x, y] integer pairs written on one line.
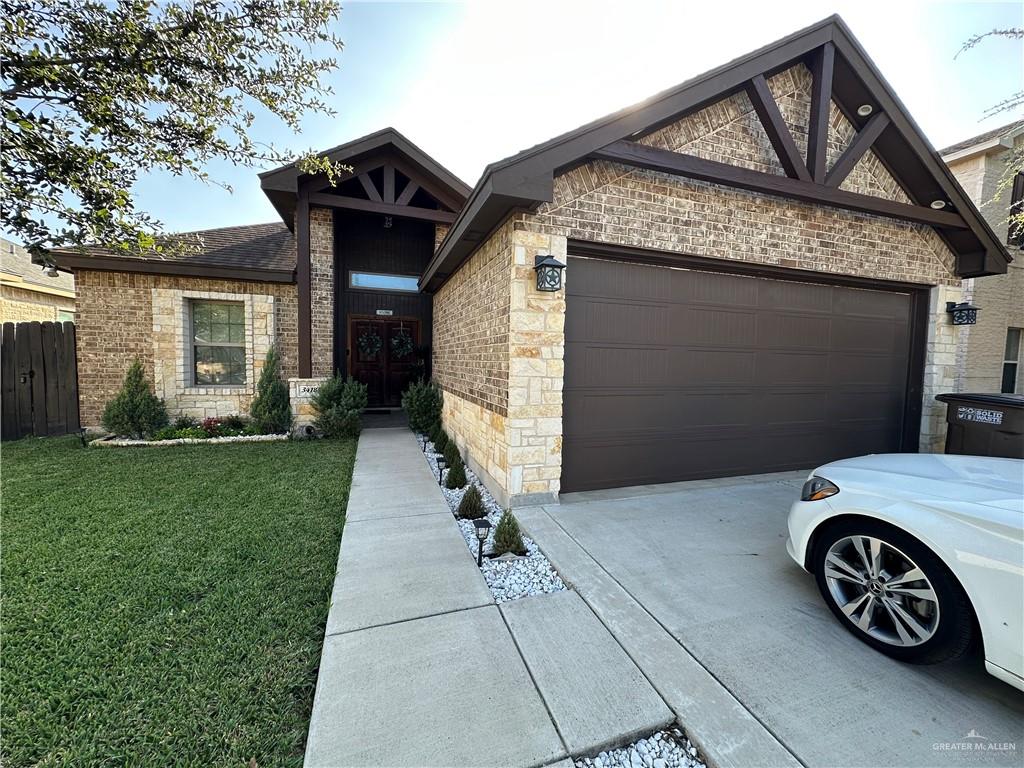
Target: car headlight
[[818, 488]]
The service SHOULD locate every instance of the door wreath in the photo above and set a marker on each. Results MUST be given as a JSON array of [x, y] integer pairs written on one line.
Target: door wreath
[[369, 343], [401, 344]]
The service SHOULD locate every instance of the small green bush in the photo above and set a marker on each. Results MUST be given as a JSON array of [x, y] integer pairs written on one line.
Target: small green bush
[[338, 422], [193, 433], [440, 441], [135, 411], [184, 422], [422, 403], [472, 505], [234, 421], [271, 410], [338, 406], [456, 477], [165, 433], [451, 453], [507, 537]]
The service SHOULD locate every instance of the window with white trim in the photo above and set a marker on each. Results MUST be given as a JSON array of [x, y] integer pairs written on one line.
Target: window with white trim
[[218, 343], [1011, 361]]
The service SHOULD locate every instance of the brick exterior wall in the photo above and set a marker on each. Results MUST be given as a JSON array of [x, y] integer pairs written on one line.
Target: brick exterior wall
[[471, 325], [115, 323], [321, 275], [609, 203], [980, 347], [19, 305]]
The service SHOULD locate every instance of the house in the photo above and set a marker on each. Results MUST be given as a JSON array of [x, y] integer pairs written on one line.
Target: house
[[27, 293], [758, 266], [991, 350]]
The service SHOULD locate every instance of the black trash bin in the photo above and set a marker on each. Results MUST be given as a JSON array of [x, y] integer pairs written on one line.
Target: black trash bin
[[985, 424]]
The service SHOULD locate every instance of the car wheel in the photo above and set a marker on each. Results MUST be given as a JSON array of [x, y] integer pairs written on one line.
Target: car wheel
[[892, 592]]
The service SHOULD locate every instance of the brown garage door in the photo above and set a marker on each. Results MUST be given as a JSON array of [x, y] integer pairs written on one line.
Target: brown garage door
[[675, 374]]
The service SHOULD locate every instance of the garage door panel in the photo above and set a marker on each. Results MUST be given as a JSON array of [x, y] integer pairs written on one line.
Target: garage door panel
[[626, 414], [680, 374], [791, 330]]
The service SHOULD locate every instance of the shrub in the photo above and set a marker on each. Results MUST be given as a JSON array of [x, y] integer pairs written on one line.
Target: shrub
[[456, 477], [422, 403], [211, 426], [472, 505], [135, 411], [184, 422], [234, 421], [451, 454], [271, 410], [440, 441], [338, 406], [193, 433], [337, 422], [507, 537], [165, 433]]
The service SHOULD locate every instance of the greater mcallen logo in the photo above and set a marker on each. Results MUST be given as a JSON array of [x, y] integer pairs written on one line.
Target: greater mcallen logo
[[975, 742]]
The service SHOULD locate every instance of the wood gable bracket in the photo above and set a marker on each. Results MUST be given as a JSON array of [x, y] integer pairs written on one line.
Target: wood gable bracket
[[386, 200], [805, 180]]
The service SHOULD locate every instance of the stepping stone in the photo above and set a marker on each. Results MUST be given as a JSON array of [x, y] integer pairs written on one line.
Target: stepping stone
[[445, 690], [596, 694], [403, 568]]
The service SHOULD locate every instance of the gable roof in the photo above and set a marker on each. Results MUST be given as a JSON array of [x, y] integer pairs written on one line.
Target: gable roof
[[985, 140], [526, 180], [263, 252], [16, 263], [281, 185]]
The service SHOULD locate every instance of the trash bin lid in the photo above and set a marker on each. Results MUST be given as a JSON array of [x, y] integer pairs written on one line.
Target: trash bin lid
[[984, 398]]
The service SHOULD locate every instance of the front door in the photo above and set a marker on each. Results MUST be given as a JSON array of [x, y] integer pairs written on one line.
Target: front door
[[384, 355]]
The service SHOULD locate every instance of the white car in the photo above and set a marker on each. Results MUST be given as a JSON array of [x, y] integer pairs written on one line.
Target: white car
[[919, 555]]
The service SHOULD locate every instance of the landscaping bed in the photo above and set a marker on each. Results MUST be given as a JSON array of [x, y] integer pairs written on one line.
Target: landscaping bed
[[665, 749], [508, 577], [165, 609]]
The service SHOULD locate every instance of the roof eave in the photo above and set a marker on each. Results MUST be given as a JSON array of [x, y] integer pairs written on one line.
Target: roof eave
[[75, 262]]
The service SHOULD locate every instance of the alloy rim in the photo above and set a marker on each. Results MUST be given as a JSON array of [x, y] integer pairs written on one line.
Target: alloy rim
[[882, 591]]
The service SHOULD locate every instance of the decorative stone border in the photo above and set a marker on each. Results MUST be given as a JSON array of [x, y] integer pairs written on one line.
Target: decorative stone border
[[508, 578], [113, 442], [665, 749]]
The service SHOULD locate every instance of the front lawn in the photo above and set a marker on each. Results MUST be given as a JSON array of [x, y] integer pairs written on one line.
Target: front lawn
[[165, 606]]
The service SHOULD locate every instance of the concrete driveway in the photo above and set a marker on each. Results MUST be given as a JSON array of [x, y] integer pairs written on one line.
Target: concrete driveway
[[707, 560]]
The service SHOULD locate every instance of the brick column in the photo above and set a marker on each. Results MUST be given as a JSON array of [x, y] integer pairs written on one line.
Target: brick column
[[321, 268]]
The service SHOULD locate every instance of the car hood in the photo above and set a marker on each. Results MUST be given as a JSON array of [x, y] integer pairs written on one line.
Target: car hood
[[973, 479]]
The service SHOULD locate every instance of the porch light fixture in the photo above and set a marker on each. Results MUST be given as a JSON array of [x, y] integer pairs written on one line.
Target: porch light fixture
[[963, 313], [549, 273], [481, 527], [865, 109], [938, 205]]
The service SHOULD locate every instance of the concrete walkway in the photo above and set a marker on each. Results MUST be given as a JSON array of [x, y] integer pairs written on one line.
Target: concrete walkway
[[421, 668]]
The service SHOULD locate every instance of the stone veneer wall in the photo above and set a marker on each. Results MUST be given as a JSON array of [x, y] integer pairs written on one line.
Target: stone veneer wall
[[115, 323], [20, 305], [172, 374], [609, 203], [321, 275]]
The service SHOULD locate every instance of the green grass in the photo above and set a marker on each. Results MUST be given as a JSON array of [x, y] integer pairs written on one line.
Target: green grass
[[165, 606]]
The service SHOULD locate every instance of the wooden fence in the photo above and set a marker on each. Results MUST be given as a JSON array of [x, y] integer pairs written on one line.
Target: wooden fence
[[38, 380]]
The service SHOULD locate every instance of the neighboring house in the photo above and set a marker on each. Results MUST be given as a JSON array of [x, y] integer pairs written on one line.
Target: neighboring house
[[992, 349], [759, 262], [27, 293]]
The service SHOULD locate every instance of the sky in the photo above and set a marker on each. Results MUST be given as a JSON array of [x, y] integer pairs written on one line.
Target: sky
[[473, 82]]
